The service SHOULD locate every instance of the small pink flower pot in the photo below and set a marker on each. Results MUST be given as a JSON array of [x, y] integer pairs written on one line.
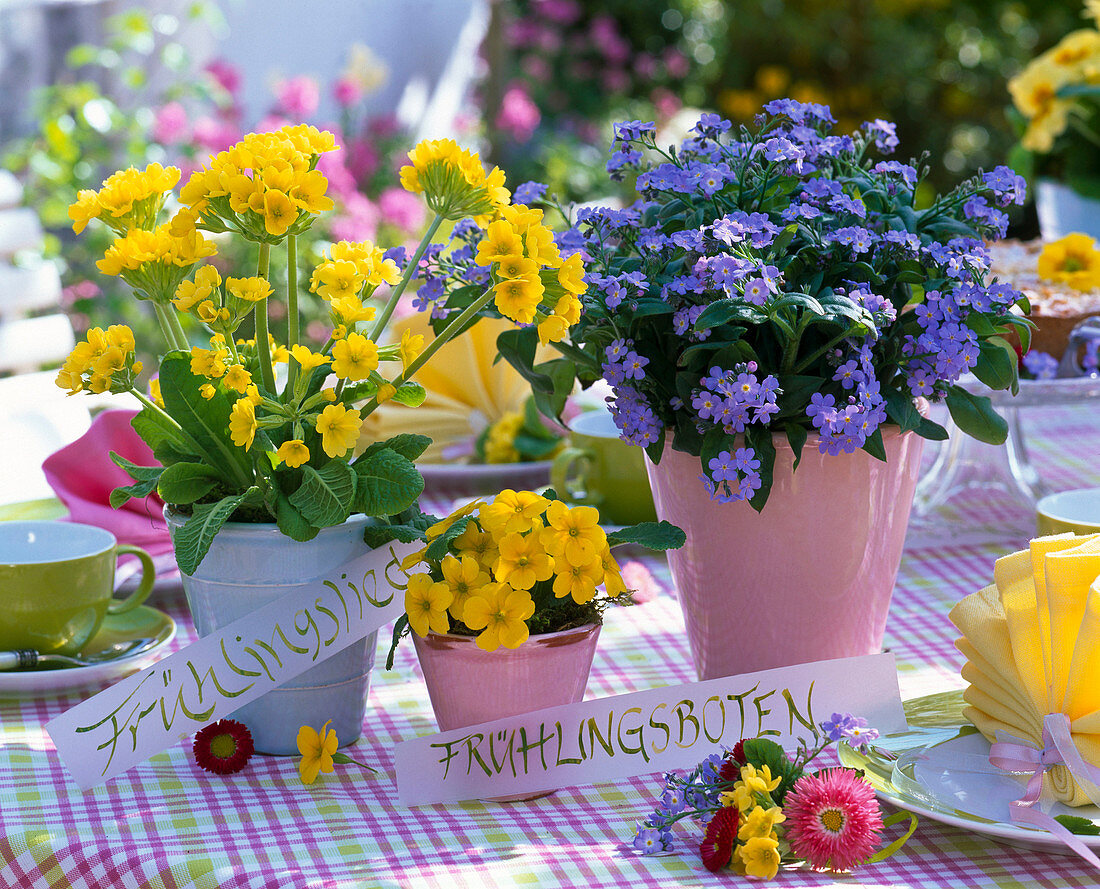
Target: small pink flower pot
[[808, 578], [468, 686]]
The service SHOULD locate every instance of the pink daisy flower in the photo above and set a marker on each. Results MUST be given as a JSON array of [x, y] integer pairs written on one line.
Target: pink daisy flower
[[833, 820], [716, 850]]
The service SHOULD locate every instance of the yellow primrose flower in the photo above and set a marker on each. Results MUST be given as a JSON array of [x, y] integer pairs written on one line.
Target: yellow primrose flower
[[453, 181], [552, 329], [501, 242], [339, 429], [760, 822], [1072, 260], [349, 310], [354, 357], [539, 242], [308, 359], [501, 613], [252, 393], [208, 391], [242, 423], [512, 511], [208, 362], [759, 856], [426, 604], [571, 275], [478, 544], [758, 780], [84, 210], [251, 290], [385, 392], [154, 392], [517, 266], [329, 394], [612, 574], [440, 527], [237, 378], [573, 533], [578, 581], [308, 192], [465, 576], [293, 453], [317, 749], [336, 279], [411, 347], [279, 212], [190, 293], [518, 298], [522, 561]]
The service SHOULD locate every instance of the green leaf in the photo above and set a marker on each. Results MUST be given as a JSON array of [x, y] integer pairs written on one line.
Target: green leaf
[[760, 440], [145, 480], [437, 549], [290, 521], [874, 446], [762, 752], [931, 430], [1080, 826], [407, 444], [974, 415], [726, 310], [386, 483], [400, 628], [796, 437], [517, 347], [186, 482], [156, 430], [192, 541], [535, 448], [378, 535], [900, 409], [325, 496], [410, 394], [562, 373], [205, 420], [652, 535], [996, 366]]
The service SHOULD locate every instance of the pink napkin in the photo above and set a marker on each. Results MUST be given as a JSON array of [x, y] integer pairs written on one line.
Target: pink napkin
[[83, 475]]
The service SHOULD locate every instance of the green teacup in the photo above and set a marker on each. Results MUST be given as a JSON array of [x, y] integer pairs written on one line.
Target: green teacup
[[602, 470], [57, 583]]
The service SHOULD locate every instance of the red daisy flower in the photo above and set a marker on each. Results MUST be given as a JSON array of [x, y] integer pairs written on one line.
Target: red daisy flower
[[833, 820], [738, 752], [224, 747], [716, 850]]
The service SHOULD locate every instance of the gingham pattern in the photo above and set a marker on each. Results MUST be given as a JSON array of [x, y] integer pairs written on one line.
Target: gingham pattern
[[168, 825]]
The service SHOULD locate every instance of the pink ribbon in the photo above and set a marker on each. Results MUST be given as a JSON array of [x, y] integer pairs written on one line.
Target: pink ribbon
[[1016, 755]]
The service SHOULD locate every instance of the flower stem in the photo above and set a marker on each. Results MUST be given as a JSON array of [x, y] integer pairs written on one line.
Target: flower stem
[[174, 321], [292, 319], [263, 346], [166, 326], [410, 270], [446, 335], [810, 359]]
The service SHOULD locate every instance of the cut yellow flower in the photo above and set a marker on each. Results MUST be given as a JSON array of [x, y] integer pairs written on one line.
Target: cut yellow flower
[[354, 357], [293, 453], [759, 856], [501, 242], [571, 275], [1072, 260], [242, 423], [411, 347], [760, 822], [339, 429], [426, 604], [522, 561], [317, 749], [501, 613]]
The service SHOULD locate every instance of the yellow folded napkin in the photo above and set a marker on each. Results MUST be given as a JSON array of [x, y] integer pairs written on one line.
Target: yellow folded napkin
[[1032, 644], [466, 391]]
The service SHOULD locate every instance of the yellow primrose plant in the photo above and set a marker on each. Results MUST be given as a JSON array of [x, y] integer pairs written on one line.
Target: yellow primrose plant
[[523, 563], [1056, 101], [248, 429]]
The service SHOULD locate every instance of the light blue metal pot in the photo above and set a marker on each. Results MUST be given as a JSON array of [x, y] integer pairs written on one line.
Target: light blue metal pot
[[249, 566]]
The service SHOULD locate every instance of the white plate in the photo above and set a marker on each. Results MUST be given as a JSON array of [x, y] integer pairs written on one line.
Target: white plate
[[488, 477], [141, 622], [942, 772]]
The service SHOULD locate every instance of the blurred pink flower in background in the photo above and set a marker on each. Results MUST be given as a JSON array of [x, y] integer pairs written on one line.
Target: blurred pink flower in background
[[214, 135], [226, 75], [273, 122], [357, 220], [615, 80], [519, 116], [170, 124], [361, 158], [665, 102], [318, 330], [403, 209], [639, 578], [79, 290], [341, 182], [298, 97], [605, 36], [347, 91], [676, 62], [536, 67], [564, 12]]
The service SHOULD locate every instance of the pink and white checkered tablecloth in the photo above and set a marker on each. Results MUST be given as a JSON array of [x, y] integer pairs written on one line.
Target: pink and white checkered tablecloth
[[168, 825]]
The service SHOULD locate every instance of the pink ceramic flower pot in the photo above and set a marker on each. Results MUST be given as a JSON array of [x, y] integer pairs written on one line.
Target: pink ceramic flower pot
[[468, 686], [808, 578]]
